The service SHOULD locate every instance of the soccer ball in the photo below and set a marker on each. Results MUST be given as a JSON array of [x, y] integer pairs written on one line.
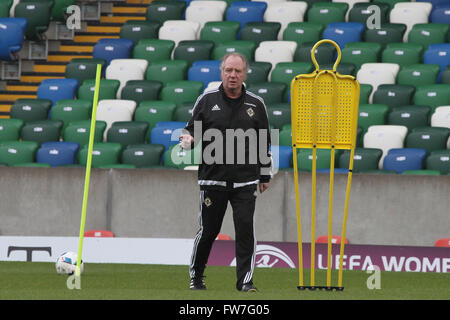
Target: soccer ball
[[67, 263]]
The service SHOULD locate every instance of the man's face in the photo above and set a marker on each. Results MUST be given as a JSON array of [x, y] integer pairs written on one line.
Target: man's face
[[233, 73]]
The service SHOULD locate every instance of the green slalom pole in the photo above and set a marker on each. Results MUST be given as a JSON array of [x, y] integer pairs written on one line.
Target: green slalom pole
[[88, 170]]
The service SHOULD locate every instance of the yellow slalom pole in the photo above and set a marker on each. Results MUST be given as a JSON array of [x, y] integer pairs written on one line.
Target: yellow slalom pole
[[313, 216], [299, 223], [88, 169], [344, 223]]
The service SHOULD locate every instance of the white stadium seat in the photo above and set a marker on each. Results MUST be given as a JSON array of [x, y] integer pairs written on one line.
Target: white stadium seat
[[285, 12], [204, 11], [441, 117], [275, 52], [376, 74], [409, 14], [126, 69], [178, 30], [113, 110]]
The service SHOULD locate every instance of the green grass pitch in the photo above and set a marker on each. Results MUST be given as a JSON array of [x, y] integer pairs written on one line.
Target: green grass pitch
[[37, 280]]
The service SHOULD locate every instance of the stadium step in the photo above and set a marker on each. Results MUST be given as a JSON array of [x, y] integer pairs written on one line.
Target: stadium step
[[81, 46]]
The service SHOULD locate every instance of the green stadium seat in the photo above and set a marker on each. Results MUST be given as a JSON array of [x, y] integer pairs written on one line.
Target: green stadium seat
[[30, 110], [394, 95], [10, 129], [428, 138], [139, 29], [258, 71], [244, 47], [178, 158], [387, 33], [38, 15], [285, 136], [127, 132], [41, 131], [418, 74], [346, 68], [143, 155], [83, 68], [360, 12], [284, 72], [107, 90], [437, 160], [364, 159], [32, 165], [411, 116], [17, 152], [59, 10], [103, 154], [365, 90], [403, 54], [433, 95], [153, 50], [359, 53], [372, 114], [271, 92], [141, 90], [71, 110], [428, 33], [79, 131], [445, 76], [327, 12], [260, 31], [5, 6], [305, 159], [193, 50], [220, 31], [325, 53], [161, 11], [180, 92], [153, 112], [279, 114], [167, 71], [183, 112], [303, 32]]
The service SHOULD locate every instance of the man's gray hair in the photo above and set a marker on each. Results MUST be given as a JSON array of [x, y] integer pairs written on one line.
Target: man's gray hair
[[235, 54]]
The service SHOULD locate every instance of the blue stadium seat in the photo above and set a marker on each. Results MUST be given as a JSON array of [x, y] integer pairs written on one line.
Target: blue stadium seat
[[245, 11], [282, 156], [343, 32], [109, 49], [401, 159], [434, 2], [440, 13], [204, 71], [57, 89], [438, 54], [11, 37], [166, 133], [57, 153]]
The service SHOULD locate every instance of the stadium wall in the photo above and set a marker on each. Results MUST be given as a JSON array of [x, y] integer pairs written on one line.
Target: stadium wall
[[384, 209]]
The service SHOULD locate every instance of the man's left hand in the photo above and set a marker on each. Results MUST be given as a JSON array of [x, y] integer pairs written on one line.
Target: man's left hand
[[263, 186]]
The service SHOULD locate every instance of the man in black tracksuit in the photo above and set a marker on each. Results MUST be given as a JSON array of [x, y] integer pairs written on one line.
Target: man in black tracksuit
[[233, 127]]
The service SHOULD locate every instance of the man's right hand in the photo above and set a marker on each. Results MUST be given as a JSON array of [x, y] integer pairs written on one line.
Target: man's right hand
[[186, 141]]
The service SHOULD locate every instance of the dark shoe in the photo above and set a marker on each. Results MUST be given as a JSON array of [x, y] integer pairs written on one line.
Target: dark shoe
[[197, 283], [248, 287]]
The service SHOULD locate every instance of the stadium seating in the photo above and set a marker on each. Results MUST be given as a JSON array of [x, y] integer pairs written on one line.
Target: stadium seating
[[433, 95], [275, 52], [12, 32], [285, 12], [167, 71], [179, 30], [428, 33], [127, 132], [305, 158], [103, 154], [10, 129], [220, 31], [180, 92], [343, 32], [79, 131], [71, 110], [245, 12], [141, 90], [387, 33], [327, 12], [438, 54], [441, 117], [279, 115], [364, 159], [428, 138], [393, 95], [178, 158], [110, 49], [372, 114], [143, 155], [376, 74], [418, 74], [57, 89], [440, 13], [153, 112], [303, 32], [18, 152], [403, 54], [161, 11], [399, 160], [271, 92], [30, 109], [125, 70], [41, 131], [205, 11], [410, 13], [204, 71], [166, 133], [153, 50], [139, 29], [260, 31], [83, 69], [360, 13], [193, 50], [57, 153], [438, 160], [113, 110], [5, 6], [410, 116], [38, 15], [282, 157], [107, 89]]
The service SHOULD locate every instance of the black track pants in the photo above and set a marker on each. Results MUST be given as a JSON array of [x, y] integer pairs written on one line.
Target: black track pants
[[213, 205]]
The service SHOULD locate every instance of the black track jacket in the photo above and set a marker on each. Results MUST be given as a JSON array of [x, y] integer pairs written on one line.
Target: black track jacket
[[247, 117]]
